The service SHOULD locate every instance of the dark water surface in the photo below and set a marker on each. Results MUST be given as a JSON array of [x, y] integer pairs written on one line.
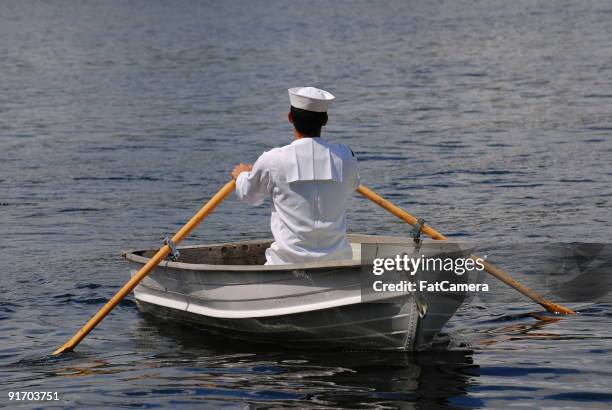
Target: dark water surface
[[493, 120]]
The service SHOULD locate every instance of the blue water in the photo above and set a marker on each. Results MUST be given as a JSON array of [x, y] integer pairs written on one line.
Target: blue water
[[118, 119]]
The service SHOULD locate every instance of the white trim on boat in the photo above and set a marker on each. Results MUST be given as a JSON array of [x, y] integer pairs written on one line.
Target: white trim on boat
[[237, 314]]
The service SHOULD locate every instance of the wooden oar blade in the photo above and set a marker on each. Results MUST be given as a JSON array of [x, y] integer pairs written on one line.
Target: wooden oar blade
[[555, 308]]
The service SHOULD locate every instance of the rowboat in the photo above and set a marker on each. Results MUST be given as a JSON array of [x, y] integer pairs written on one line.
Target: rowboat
[[226, 289]]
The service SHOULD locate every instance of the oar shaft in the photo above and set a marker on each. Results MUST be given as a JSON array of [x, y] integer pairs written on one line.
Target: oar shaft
[[399, 212], [147, 268], [494, 271], [204, 211]]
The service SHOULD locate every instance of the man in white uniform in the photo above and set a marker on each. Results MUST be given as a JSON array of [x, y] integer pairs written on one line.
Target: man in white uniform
[[309, 181]]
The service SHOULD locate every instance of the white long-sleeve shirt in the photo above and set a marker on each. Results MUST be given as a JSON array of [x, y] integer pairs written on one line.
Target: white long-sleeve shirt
[[310, 182]]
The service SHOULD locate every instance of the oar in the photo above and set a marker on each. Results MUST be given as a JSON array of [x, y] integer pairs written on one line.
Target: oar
[[432, 233], [148, 267]]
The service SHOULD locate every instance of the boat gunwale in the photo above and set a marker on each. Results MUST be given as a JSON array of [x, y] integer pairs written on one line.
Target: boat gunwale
[[131, 255]]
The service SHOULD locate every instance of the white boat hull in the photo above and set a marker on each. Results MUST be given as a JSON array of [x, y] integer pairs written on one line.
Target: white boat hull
[[310, 305]]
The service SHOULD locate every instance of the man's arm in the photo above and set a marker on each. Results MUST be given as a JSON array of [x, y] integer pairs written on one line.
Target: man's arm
[[253, 182]]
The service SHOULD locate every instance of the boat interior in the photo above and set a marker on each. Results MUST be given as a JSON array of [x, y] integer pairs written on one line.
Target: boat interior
[[253, 252], [240, 253]]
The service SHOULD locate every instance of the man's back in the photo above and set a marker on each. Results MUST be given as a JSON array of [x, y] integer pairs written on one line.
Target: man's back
[[310, 182]]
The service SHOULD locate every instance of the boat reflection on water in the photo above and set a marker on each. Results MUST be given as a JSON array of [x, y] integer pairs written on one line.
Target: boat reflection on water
[[162, 363], [437, 378]]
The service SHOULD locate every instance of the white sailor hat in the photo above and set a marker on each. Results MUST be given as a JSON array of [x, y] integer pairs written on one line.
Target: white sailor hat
[[310, 98]]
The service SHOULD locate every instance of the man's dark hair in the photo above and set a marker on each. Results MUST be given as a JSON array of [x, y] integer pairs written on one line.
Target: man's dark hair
[[308, 123]]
